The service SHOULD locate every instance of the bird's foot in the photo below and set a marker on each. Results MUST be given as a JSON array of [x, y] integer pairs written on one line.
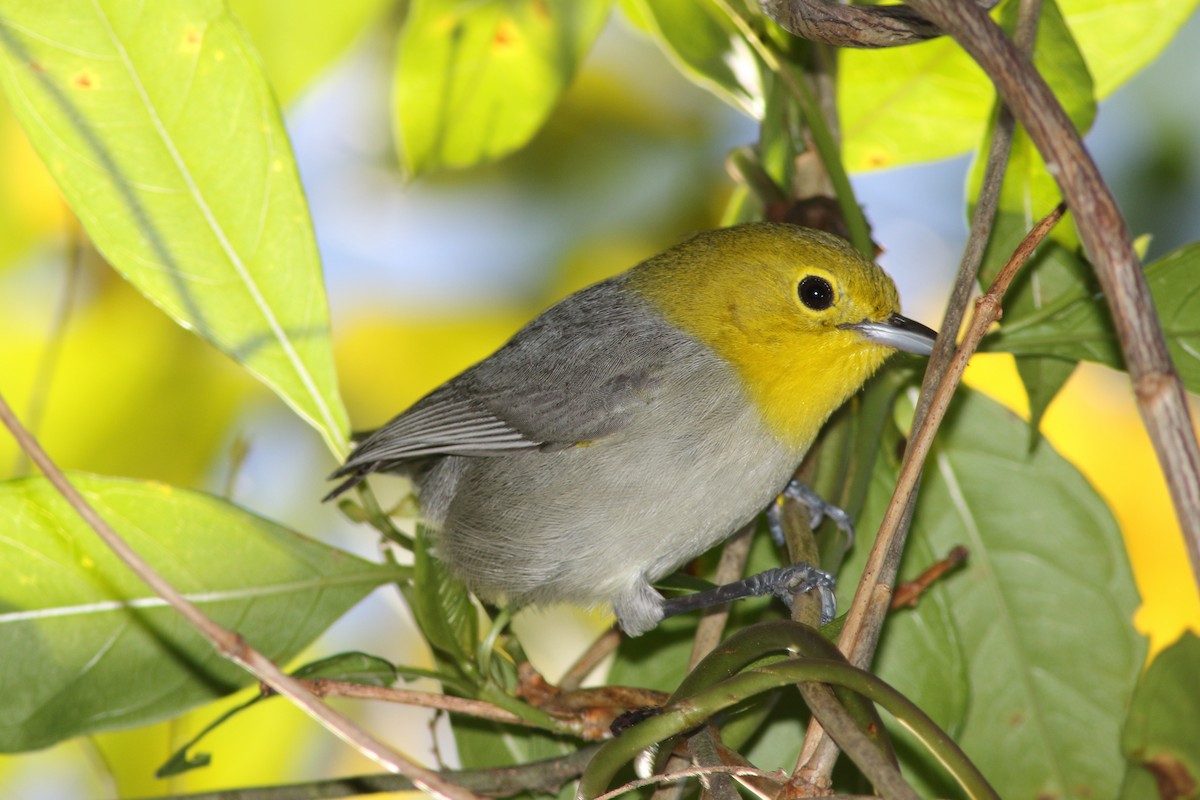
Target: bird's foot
[[818, 510]]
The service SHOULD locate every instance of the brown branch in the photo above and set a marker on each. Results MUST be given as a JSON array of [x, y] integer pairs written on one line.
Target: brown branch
[[325, 687], [909, 592], [605, 645], [874, 764], [229, 643], [693, 772], [539, 777], [1160, 395], [851, 26]]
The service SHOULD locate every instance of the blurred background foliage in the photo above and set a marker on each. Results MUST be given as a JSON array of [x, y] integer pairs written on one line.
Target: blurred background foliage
[[428, 275]]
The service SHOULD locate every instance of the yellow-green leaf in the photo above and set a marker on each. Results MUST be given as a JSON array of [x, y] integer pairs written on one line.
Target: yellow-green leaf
[[701, 39], [475, 81], [299, 38], [905, 105], [160, 129]]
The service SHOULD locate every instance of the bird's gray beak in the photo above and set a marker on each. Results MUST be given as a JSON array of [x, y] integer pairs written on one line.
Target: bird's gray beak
[[899, 332]]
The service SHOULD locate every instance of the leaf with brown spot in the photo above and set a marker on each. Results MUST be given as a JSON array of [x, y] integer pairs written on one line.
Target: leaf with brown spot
[[1161, 739]]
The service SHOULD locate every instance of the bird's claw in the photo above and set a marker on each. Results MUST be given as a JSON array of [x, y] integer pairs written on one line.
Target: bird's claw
[[789, 581], [818, 510]]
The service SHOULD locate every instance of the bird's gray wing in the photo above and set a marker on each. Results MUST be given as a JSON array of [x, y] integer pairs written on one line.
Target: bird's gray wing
[[579, 372]]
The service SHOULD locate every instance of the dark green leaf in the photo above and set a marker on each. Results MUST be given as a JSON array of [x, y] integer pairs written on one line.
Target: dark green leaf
[[1161, 739], [1027, 654], [475, 81], [160, 129], [89, 648], [1081, 330], [350, 667], [1043, 379], [442, 606]]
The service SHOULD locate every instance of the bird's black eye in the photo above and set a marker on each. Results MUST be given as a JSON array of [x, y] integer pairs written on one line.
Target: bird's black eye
[[816, 293]]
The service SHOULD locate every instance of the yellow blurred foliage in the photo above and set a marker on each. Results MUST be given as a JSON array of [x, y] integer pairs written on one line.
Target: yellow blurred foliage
[[1095, 424], [130, 394], [30, 205]]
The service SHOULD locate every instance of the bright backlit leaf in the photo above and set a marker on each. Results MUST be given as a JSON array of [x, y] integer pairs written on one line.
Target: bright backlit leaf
[[905, 105], [700, 38], [161, 131], [300, 38], [475, 81], [88, 647]]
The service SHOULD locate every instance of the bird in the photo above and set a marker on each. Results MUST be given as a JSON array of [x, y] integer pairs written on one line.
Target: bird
[[644, 419]]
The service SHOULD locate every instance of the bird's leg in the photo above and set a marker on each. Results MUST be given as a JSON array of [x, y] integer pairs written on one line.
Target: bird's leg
[[818, 510], [781, 582]]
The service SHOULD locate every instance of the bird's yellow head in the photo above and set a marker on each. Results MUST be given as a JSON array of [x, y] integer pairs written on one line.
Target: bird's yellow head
[[800, 314]]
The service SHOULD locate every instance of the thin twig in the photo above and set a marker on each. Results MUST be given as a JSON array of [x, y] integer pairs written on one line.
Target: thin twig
[[324, 687], [228, 643], [823, 139], [604, 646], [730, 568], [872, 600], [875, 593], [987, 312], [48, 363], [866, 754], [909, 592], [540, 777], [692, 772]]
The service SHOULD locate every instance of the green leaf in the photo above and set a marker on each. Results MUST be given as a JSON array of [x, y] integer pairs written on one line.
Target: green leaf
[[701, 40], [1027, 653], [160, 129], [1078, 328], [89, 648], [351, 667], [483, 744], [1161, 739], [905, 105], [442, 606], [475, 81], [1119, 39], [300, 38], [1043, 379]]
